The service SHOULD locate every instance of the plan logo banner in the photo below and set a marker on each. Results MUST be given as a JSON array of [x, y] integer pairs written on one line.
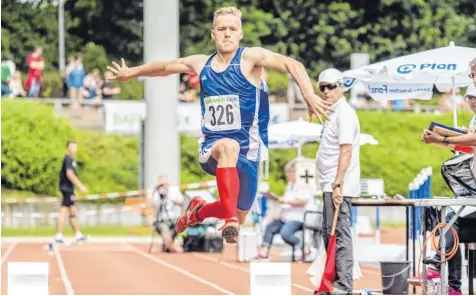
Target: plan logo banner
[[425, 67]]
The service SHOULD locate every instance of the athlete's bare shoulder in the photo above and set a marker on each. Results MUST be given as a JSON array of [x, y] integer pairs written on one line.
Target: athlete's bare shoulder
[[253, 54], [262, 57], [195, 62]]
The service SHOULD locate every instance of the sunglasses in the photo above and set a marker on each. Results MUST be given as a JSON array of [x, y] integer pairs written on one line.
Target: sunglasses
[[332, 86], [470, 97]]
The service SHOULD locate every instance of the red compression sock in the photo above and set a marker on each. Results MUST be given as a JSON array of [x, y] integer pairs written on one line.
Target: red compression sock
[[228, 184]]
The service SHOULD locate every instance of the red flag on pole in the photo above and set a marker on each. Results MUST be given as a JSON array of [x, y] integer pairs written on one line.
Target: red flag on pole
[[330, 271]]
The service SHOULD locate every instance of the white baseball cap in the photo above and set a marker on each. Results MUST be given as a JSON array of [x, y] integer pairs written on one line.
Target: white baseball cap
[[471, 91], [330, 76]]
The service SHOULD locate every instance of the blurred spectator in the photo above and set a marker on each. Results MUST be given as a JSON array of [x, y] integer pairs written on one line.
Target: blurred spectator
[[446, 100], [92, 85], [472, 64], [193, 80], [108, 89], [68, 180], [294, 92], [66, 71], [15, 86], [75, 80], [291, 220], [398, 105], [8, 68], [182, 97], [34, 79], [188, 89], [167, 205]]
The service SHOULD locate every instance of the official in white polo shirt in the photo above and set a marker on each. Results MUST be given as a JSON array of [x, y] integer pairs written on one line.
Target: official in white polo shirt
[[339, 173]]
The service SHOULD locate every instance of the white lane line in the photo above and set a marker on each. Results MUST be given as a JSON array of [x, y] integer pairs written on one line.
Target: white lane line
[[180, 270], [244, 270], [64, 276], [8, 252]]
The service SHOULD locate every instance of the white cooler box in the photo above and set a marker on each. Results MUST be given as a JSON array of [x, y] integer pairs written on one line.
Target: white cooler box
[[247, 246]]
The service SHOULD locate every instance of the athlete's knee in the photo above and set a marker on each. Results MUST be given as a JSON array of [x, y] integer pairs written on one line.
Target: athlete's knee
[[228, 147]]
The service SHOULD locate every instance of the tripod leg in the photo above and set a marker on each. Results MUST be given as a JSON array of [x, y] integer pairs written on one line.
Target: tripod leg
[[151, 246]]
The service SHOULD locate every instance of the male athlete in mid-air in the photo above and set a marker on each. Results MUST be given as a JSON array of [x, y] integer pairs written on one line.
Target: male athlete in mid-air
[[235, 112]]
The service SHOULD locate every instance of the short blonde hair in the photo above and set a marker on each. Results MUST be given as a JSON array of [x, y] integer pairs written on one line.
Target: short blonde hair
[[227, 10]]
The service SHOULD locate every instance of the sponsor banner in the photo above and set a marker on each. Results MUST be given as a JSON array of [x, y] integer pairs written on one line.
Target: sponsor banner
[[444, 69], [124, 117], [392, 91]]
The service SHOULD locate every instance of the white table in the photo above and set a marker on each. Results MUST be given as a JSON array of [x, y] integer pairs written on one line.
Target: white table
[[407, 204], [444, 203]]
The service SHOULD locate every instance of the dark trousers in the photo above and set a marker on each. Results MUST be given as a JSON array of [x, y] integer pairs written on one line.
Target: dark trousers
[[344, 252]]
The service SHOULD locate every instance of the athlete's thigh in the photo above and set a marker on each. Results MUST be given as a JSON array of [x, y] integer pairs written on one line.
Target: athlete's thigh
[[208, 156], [248, 172], [226, 142], [72, 210]]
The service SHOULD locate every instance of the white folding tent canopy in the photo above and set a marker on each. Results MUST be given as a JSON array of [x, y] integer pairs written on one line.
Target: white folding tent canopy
[[414, 76]]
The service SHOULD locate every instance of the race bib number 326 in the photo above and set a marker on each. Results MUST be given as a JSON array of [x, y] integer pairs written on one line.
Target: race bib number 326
[[222, 113]]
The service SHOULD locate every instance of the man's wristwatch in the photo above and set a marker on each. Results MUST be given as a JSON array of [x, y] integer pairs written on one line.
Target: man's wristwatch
[[336, 185], [445, 140]]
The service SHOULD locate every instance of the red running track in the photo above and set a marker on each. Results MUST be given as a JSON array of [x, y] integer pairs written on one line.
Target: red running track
[[128, 269]]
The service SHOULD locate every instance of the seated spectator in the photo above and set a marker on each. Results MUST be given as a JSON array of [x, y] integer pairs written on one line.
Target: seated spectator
[[92, 85], [108, 90], [291, 220], [167, 207], [15, 86]]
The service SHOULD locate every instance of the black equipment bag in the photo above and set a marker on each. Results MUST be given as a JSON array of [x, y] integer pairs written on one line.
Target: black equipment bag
[[459, 176]]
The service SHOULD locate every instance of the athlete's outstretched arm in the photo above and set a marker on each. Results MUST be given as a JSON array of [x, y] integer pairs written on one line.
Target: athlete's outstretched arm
[[268, 59], [163, 68]]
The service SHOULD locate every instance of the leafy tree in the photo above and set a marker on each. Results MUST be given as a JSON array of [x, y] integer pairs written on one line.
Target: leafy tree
[[116, 25], [26, 24]]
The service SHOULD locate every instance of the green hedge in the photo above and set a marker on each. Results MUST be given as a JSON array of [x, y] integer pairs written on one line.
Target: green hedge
[[33, 144]]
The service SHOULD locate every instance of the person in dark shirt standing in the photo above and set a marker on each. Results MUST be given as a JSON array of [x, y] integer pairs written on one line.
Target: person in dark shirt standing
[[108, 89], [68, 181]]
